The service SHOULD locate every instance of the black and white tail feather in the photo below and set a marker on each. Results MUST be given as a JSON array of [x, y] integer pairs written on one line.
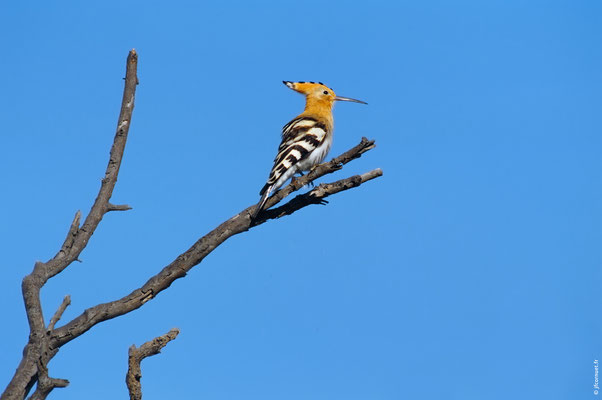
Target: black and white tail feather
[[305, 142]]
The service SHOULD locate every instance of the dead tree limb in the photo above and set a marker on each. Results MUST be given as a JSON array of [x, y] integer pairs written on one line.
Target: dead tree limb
[[318, 194], [239, 223], [38, 350], [135, 357], [44, 342]]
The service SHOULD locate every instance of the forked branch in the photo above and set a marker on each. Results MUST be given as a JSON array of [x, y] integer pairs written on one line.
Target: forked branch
[[38, 351], [137, 354]]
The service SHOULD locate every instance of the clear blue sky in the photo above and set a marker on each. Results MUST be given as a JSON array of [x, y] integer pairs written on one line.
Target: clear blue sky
[[470, 270]]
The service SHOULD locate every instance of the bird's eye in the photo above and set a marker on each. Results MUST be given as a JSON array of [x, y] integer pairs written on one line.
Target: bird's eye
[[326, 92]]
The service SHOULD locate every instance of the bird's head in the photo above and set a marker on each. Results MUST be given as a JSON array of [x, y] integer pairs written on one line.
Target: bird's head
[[318, 92]]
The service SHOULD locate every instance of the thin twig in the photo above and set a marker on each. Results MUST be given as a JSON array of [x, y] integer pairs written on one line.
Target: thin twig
[[118, 207], [59, 313], [71, 234], [136, 355]]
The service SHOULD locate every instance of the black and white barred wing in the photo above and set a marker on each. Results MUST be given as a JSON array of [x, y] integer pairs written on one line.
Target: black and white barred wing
[[305, 143], [291, 130]]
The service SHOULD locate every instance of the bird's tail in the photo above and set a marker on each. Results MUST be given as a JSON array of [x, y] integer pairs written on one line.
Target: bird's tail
[[265, 193]]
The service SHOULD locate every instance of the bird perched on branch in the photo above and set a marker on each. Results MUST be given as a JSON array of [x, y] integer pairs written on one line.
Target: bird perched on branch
[[306, 139]]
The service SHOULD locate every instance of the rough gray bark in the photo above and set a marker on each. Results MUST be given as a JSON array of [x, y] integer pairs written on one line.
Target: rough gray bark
[[135, 357], [45, 341]]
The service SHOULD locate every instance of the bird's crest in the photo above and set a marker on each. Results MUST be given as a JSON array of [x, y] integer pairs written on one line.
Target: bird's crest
[[317, 92], [310, 88]]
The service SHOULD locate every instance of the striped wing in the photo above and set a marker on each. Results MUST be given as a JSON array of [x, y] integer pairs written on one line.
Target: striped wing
[[300, 138], [294, 128]]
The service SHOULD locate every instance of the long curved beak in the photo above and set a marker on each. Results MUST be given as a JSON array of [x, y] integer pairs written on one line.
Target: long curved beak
[[339, 98]]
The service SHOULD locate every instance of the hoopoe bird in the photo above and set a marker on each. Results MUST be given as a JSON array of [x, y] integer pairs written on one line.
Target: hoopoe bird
[[306, 139]]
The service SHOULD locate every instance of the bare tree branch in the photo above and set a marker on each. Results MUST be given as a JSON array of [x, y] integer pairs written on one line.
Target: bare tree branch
[[318, 194], [44, 342], [136, 355], [241, 222], [37, 352], [118, 207], [46, 383], [59, 313]]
